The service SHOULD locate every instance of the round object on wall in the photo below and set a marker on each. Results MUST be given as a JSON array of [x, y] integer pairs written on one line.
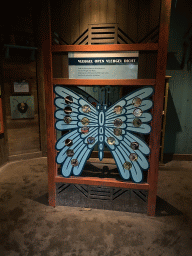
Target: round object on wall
[[67, 119], [134, 145], [127, 165], [118, 122], [68, 100], [68, 142], [136, 102]]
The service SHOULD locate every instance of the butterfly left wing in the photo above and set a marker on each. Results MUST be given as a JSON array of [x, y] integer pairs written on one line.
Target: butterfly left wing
[[80, 118], [128, 116]]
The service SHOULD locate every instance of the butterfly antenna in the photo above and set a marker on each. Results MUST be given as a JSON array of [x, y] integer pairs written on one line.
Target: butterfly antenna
[[108, 90]]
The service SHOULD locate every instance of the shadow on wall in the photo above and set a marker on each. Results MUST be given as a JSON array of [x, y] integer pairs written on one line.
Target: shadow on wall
[[172, 126], [172, 62]]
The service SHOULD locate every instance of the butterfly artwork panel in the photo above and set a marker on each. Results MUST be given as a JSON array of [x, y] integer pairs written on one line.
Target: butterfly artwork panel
[[118, 127]]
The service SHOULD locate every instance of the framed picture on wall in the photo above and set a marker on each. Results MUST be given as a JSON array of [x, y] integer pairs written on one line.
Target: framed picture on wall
[[21, 87], [22, 107], [1, 118]]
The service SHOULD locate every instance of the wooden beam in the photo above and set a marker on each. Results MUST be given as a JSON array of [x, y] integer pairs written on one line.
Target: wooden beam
[[102, 182], [158, 104], [105, 48], [104, 82], [47, 61]]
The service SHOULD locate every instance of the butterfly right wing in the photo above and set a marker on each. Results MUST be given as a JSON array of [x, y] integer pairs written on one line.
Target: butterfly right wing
[[130, 160]]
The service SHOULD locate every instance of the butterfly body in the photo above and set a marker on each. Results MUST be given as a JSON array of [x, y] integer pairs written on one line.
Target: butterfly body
[[114, 127], [101, 129]]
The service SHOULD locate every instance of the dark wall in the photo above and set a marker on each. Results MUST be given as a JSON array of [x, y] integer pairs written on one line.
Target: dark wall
[[178, 137]]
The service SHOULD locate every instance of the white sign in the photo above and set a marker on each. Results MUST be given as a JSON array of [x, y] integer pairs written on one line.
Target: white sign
[[21, 86], [103, 65]]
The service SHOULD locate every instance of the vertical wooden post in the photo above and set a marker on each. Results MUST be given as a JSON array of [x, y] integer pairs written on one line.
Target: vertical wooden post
[[158, 104], [4, 150], [48, 83], [164, 117], [40, 91]]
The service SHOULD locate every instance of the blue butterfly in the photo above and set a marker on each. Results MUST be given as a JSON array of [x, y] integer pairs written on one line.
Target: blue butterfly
[[114, 126]]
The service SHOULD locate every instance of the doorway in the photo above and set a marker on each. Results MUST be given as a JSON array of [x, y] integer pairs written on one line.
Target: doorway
[[22, 116]]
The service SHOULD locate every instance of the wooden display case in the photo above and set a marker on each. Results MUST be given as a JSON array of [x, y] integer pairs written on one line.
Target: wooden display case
[[158, 83]]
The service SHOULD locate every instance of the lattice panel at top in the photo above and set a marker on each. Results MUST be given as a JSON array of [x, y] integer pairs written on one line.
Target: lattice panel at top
[[107, 34], [102, 34]]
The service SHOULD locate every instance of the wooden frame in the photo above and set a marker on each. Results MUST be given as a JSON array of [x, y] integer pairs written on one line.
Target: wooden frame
[[158, 83], [1, 118]]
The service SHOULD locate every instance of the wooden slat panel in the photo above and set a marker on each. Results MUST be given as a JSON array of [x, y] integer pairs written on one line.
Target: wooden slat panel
[[102, 48], [102, 36], [102, 182], [85, 42], [94, 13], [149, 38], [100, 25], [121, 41], [111, 11], [124, 38], [102, 11], [111, 30], [78, 42], [103, 82], [84, 15], [103, 41], [116, 34], [89, 34]]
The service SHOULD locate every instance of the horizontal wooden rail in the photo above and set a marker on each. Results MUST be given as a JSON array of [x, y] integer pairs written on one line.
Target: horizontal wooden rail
[[105, 48], [103, 82], [108, 182]]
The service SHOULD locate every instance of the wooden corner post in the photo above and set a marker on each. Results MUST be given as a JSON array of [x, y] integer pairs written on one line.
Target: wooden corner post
[[158, 104], [49, 98]]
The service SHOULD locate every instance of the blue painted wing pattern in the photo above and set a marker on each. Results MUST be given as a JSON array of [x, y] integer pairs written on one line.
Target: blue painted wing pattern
[[125, 118], [77, 116], [114, 127]]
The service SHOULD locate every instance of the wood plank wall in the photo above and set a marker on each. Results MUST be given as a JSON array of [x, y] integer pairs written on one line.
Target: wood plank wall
[[22, 134], [135, 18]]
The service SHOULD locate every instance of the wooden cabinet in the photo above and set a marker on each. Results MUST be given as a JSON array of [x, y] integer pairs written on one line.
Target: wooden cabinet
[[160, 49]]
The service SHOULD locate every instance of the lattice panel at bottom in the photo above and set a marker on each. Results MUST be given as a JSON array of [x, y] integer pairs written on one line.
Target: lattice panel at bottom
[[99, 197]]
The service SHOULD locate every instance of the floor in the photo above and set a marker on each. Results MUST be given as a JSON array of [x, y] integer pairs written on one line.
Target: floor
[[29, 227], [23, 136]]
